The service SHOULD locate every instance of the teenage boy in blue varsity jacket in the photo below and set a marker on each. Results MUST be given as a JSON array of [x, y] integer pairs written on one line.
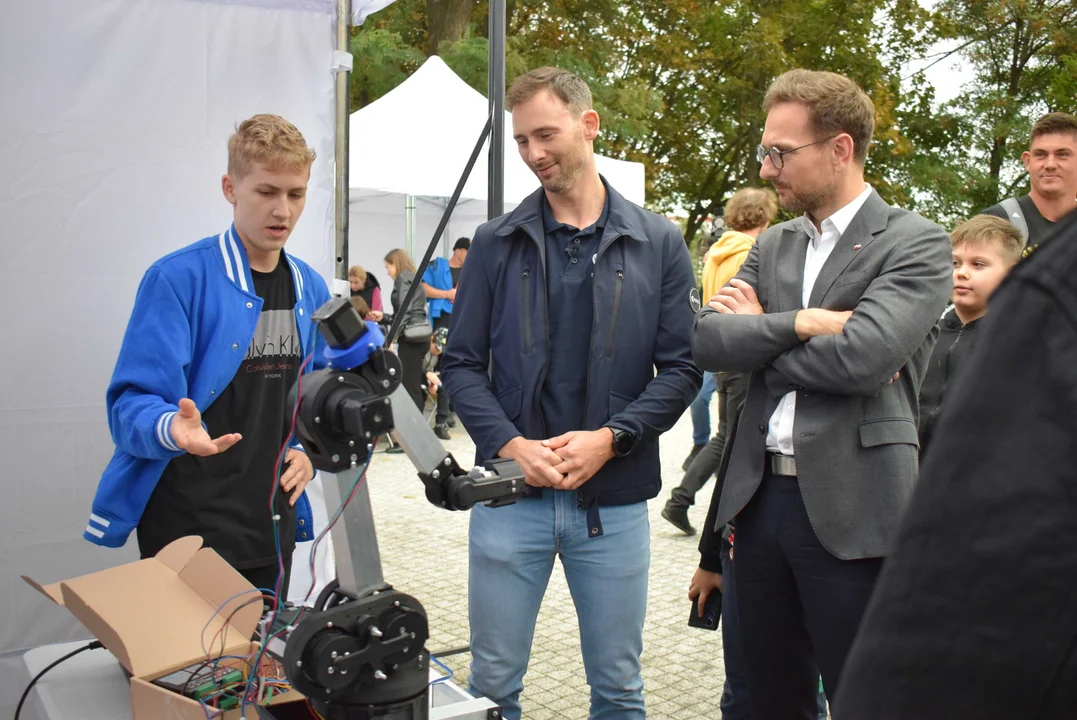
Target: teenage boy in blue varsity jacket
[[198, 403]]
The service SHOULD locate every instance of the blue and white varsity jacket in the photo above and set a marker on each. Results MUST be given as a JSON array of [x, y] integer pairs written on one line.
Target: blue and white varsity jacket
[[193, 320]]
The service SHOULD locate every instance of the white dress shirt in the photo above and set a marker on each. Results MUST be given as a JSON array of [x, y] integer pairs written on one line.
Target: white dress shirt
[[780, 430]]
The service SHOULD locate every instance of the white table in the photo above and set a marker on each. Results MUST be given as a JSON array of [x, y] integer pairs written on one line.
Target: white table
[[93, 686]]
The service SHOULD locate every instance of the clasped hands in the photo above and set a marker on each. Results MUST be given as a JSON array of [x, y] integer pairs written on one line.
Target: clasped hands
[[565, 462]]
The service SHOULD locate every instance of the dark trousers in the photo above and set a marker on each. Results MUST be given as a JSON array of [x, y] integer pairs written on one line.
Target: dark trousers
[[732, 387], [266, 576], [799, 606], [411, 356], [735, 703], [441, 414]]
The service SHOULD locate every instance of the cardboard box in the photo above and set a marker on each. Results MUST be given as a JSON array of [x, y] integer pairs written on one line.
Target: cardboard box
[[151, 614]]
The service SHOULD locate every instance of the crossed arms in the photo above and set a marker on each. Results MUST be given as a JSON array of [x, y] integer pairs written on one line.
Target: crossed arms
[[853, 352]]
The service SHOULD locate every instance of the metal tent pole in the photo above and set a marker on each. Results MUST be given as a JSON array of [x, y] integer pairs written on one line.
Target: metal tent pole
[[341, 139], [398, 318], [495, 87], [409, 225]]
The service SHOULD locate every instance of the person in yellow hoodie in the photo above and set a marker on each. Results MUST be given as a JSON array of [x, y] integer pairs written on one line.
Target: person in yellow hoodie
[[747, 214]]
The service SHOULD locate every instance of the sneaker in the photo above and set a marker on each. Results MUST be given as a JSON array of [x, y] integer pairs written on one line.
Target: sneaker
[[678, 517], [691, 456], [442, 432], [452, 421]]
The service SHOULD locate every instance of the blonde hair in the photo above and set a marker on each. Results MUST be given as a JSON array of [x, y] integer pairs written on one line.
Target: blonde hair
[[987, 229], [750, 208], [268, 139], [836, 103], [357, 272], [401, 260], [566, 86]]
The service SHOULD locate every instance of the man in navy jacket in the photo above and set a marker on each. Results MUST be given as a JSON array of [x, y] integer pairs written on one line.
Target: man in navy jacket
[[565, 309]]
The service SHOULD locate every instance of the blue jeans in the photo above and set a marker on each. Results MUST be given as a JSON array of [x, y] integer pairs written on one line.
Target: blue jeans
[[701, 411], [512, 550]]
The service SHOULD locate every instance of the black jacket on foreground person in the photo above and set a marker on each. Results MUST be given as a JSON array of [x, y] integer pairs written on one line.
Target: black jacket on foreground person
[[975, 612]]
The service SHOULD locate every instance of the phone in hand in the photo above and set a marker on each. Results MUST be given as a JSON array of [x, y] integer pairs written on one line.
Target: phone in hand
[[712, 612]]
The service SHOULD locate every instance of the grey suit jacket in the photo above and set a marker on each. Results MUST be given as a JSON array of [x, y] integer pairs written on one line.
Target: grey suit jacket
[[854, 434]]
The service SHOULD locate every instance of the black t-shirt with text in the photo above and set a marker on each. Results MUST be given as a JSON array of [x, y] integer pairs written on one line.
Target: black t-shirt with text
[[225, 497]]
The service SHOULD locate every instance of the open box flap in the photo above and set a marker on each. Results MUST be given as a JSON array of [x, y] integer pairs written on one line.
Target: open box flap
[[150, 617], [174, 555], [178, 553], [52, 592], [222, 586]]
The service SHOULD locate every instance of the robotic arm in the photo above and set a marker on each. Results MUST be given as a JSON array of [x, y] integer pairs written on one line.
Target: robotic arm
[[360, 653], [360, 397]]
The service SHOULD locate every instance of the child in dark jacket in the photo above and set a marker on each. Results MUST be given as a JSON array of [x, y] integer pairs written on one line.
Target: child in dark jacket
[[985, 249]]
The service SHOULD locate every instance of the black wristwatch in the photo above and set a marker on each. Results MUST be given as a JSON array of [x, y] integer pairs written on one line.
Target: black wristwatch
[[623, 441]]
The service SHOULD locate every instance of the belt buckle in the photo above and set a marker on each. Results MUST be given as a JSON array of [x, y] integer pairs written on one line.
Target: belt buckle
[[784, 465]]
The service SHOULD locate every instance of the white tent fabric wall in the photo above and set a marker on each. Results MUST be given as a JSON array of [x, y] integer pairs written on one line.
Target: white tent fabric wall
[[113, 144], [416, 140], [377, 225]]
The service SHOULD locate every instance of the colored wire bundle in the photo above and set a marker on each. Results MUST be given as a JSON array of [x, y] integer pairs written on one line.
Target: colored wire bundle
[[254, 679]]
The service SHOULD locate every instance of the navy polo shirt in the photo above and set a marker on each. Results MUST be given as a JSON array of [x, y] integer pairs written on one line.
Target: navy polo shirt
[[570, 273]]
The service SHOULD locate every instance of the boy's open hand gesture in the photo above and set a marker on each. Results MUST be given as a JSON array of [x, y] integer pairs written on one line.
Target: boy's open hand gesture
[[188, 433]]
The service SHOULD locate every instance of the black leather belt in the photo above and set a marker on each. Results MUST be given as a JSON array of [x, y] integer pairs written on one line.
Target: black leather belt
[[784, 465]]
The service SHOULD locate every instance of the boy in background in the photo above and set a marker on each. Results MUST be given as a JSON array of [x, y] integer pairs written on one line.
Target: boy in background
[[985, 249], [430, 363]]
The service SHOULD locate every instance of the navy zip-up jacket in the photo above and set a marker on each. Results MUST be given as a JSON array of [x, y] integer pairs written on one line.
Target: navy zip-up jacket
[[645, 300]]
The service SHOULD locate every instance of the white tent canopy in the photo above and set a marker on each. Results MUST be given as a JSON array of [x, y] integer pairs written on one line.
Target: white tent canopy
[[114, 133], [416, 140]]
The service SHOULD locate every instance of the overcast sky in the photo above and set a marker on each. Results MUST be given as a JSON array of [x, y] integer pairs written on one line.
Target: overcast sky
[[948, 75]]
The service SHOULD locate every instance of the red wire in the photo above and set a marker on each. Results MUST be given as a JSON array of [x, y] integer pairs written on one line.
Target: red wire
[[276, 479], [216, 635]]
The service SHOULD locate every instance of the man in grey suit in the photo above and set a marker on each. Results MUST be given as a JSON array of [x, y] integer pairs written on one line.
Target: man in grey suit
[[834, 315]]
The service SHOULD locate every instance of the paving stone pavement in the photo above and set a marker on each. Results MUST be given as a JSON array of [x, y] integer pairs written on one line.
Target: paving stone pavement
[[424, 553]]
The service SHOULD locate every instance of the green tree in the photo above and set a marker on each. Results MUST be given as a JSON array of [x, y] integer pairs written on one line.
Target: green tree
[[1024, 56], [679, 84], [382, 60]]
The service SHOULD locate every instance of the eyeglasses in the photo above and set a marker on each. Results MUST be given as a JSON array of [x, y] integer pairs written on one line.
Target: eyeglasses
[[777, 157]]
